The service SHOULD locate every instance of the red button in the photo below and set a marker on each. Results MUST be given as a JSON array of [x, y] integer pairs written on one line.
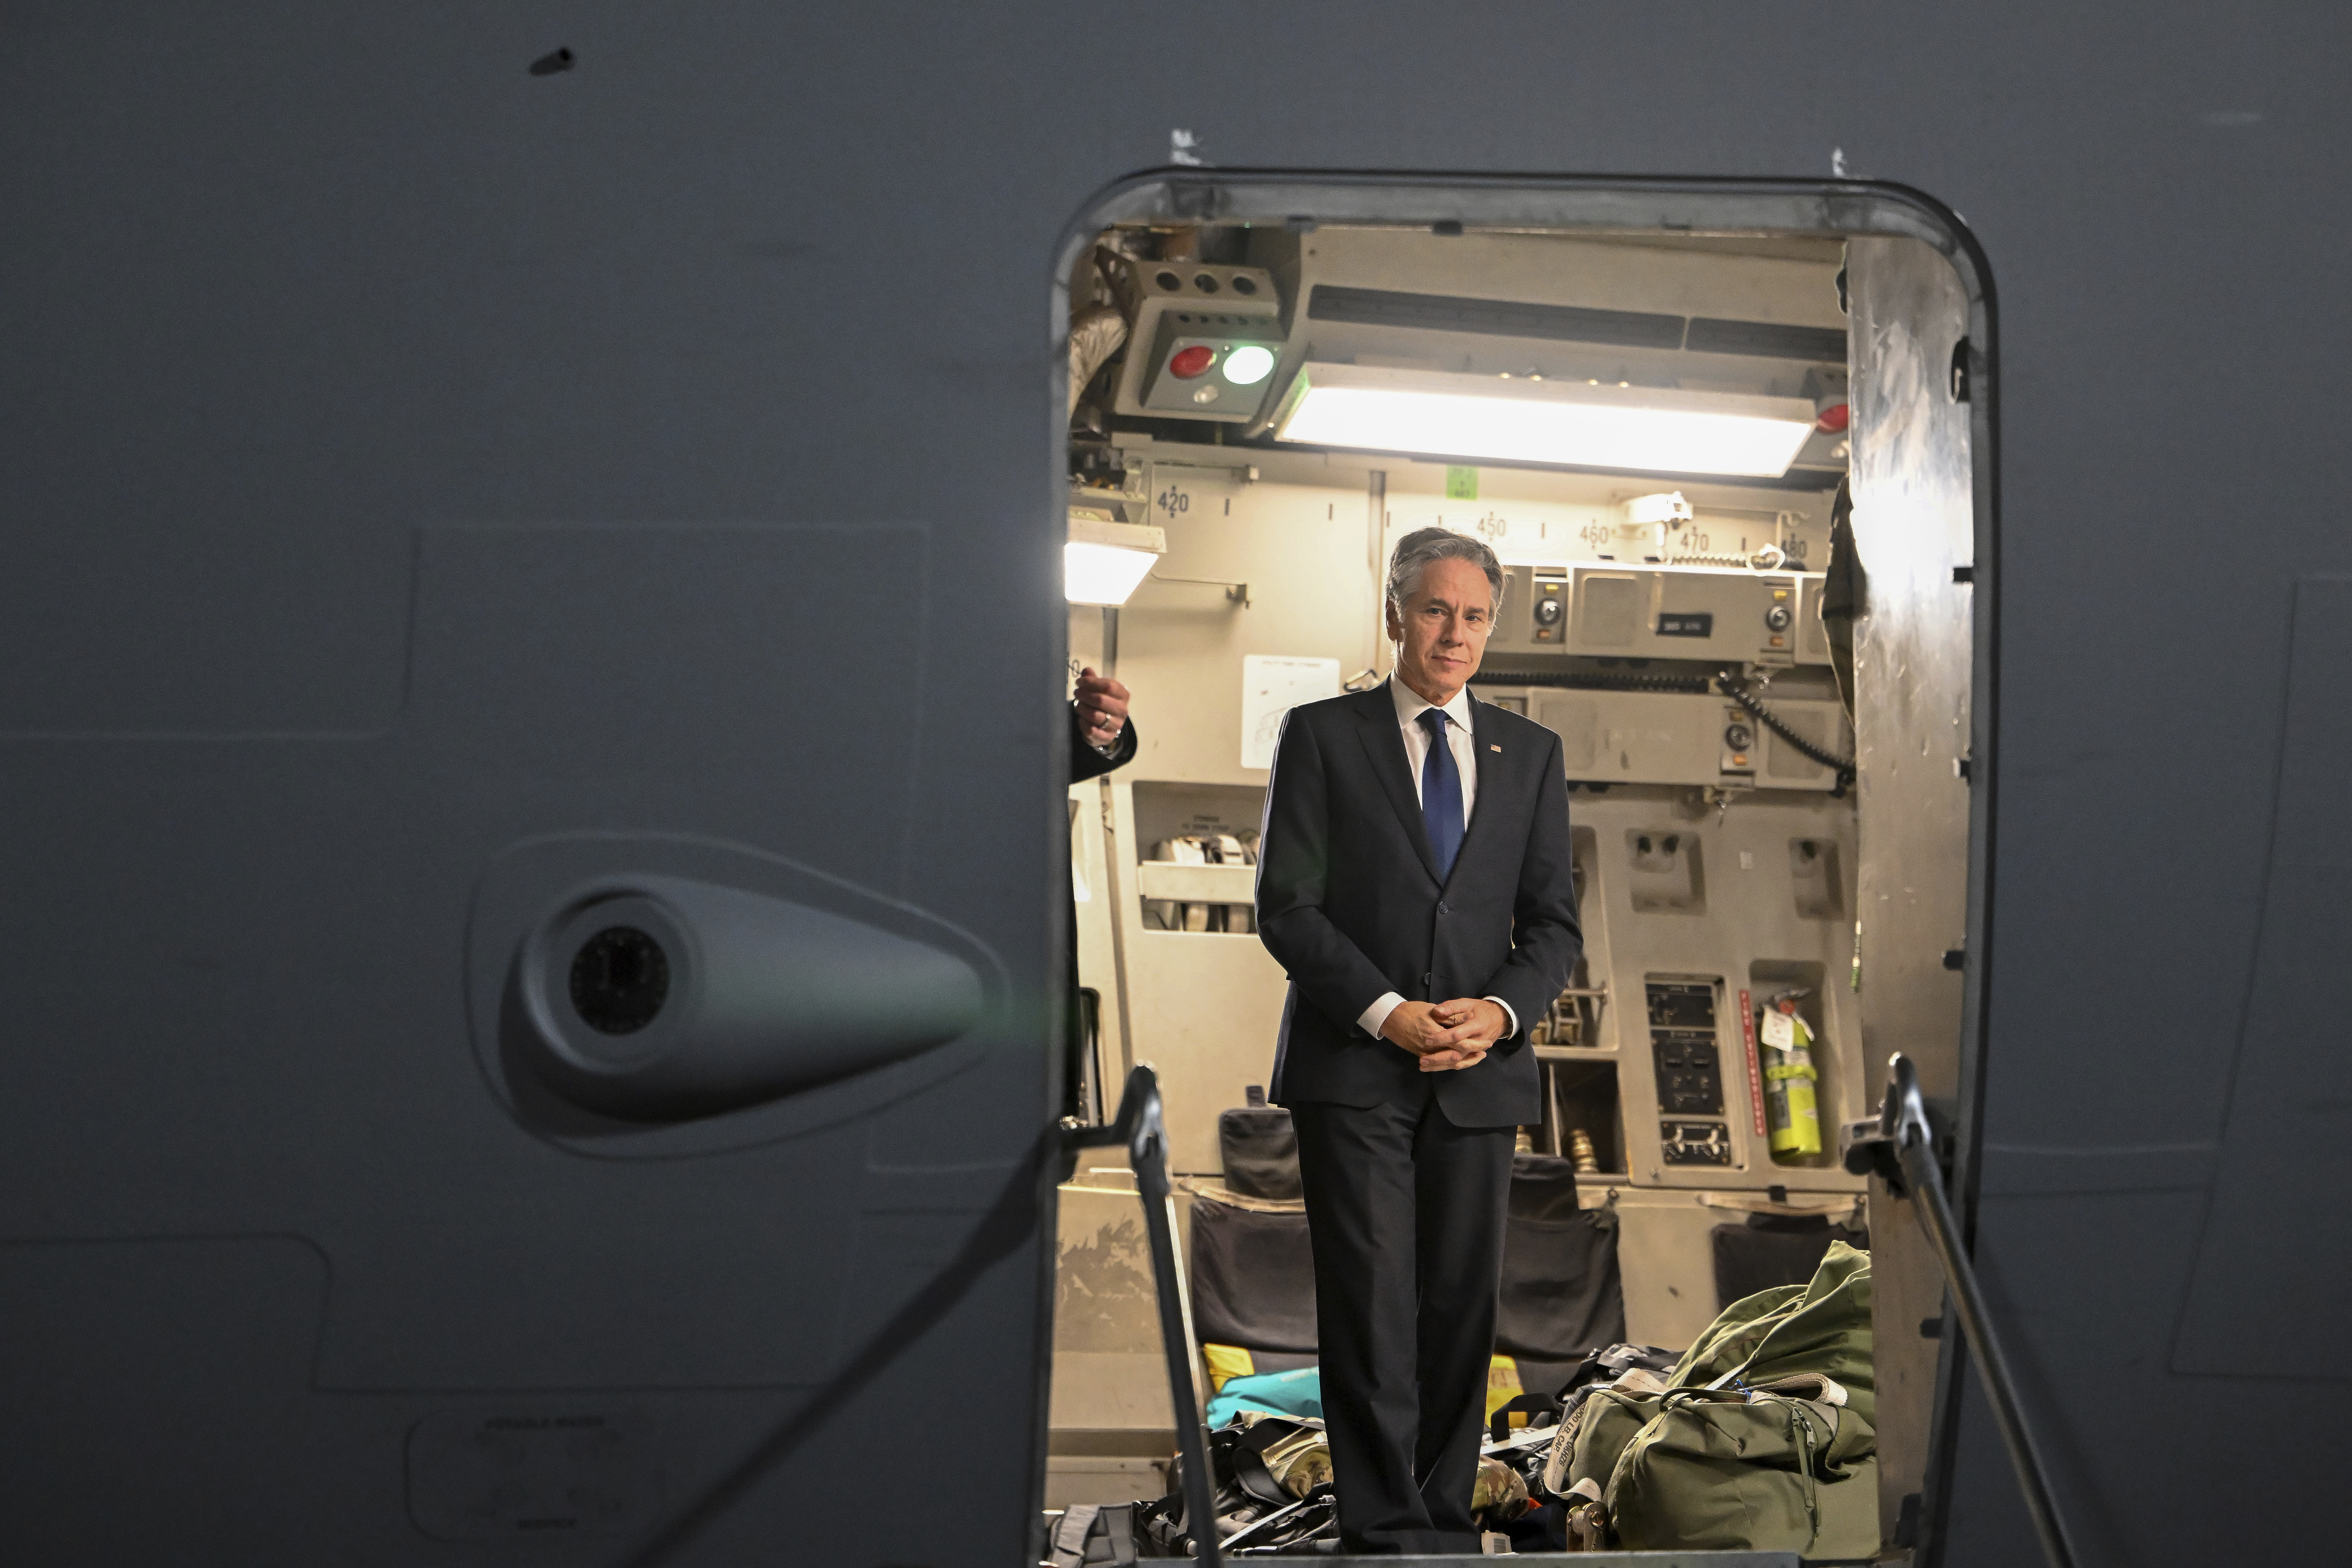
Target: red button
[[1186, 363]]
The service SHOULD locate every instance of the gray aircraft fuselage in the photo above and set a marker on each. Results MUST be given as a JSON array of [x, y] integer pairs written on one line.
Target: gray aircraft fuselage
[[454, 457]]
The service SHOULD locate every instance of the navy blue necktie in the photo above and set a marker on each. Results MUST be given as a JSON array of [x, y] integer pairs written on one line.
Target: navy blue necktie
[[1440, 795]]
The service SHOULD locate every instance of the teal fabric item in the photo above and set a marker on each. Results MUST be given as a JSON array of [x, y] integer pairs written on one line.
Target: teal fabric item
[[1297, 1393]]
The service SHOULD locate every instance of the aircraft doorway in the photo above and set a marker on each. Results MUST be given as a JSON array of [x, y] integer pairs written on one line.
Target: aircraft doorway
[[1727, 447]]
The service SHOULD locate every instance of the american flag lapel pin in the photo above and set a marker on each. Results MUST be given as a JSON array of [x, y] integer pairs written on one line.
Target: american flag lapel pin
[[1494, 748]]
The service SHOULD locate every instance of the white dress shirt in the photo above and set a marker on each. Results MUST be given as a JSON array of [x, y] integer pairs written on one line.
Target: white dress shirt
[[1463, 744]]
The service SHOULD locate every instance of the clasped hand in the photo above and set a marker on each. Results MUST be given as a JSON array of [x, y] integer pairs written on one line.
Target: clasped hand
[[1446, 1036]]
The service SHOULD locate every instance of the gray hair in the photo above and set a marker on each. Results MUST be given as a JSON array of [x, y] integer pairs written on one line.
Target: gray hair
[[1416, 550]]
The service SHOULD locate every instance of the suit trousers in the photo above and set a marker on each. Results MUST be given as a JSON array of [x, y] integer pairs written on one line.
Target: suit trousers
[[1405, 1212]]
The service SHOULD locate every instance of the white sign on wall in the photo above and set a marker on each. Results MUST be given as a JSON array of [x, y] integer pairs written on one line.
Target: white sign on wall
[[1273, 687]]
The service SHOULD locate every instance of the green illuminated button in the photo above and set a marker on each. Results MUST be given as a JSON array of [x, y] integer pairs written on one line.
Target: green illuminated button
[[1248, 365]]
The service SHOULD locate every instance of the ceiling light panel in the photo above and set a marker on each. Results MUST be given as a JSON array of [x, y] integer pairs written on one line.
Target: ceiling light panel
[[1104, 562], [1574, 424]]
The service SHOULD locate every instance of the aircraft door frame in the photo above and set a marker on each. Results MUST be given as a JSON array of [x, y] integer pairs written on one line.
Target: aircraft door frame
[[1872, 217]]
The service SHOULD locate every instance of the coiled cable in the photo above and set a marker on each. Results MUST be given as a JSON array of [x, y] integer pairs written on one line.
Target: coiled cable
[[1737, 689]]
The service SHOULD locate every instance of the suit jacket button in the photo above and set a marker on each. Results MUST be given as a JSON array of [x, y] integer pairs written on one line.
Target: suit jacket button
[[1443, 910]]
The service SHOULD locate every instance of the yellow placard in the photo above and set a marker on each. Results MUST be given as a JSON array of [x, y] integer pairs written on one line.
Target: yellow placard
[[1224, 1361], [1502, 1384]]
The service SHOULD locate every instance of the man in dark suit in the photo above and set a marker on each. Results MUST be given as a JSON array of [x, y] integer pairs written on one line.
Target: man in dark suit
[[1414, 881], [1101, 741]]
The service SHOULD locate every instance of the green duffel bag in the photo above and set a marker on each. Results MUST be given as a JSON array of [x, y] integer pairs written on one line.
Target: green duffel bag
[[1822, 1327], [1763, 1470], [1761, 1436]]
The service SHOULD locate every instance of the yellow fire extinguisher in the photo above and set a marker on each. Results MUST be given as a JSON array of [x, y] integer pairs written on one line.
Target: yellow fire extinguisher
[[1791, 1102]]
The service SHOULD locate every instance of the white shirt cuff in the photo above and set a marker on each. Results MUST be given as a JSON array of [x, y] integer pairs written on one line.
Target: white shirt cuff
[[1509, 1017]]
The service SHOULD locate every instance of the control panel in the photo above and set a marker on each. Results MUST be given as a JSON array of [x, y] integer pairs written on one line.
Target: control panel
[[1694, 1142], [1681, 1016], [1721, 615], [1548, 606], [1203, 340], [1680, 738], [1682, 1042]]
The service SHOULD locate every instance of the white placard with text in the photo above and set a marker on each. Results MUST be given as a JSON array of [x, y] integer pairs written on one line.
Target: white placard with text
[[1271, 687]]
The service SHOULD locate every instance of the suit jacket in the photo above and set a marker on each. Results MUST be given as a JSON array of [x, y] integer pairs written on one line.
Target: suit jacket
[[1349, 903], [1086, 762]]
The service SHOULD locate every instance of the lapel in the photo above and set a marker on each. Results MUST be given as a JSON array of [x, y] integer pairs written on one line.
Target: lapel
[[1383, 740]]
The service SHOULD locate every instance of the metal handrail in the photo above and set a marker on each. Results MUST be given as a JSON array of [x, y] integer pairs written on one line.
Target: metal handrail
[[1139, 1127], [1903, 1154]]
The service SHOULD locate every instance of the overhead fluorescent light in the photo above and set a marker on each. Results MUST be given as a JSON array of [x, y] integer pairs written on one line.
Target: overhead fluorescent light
[[1104, 561], [1567, 424]]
